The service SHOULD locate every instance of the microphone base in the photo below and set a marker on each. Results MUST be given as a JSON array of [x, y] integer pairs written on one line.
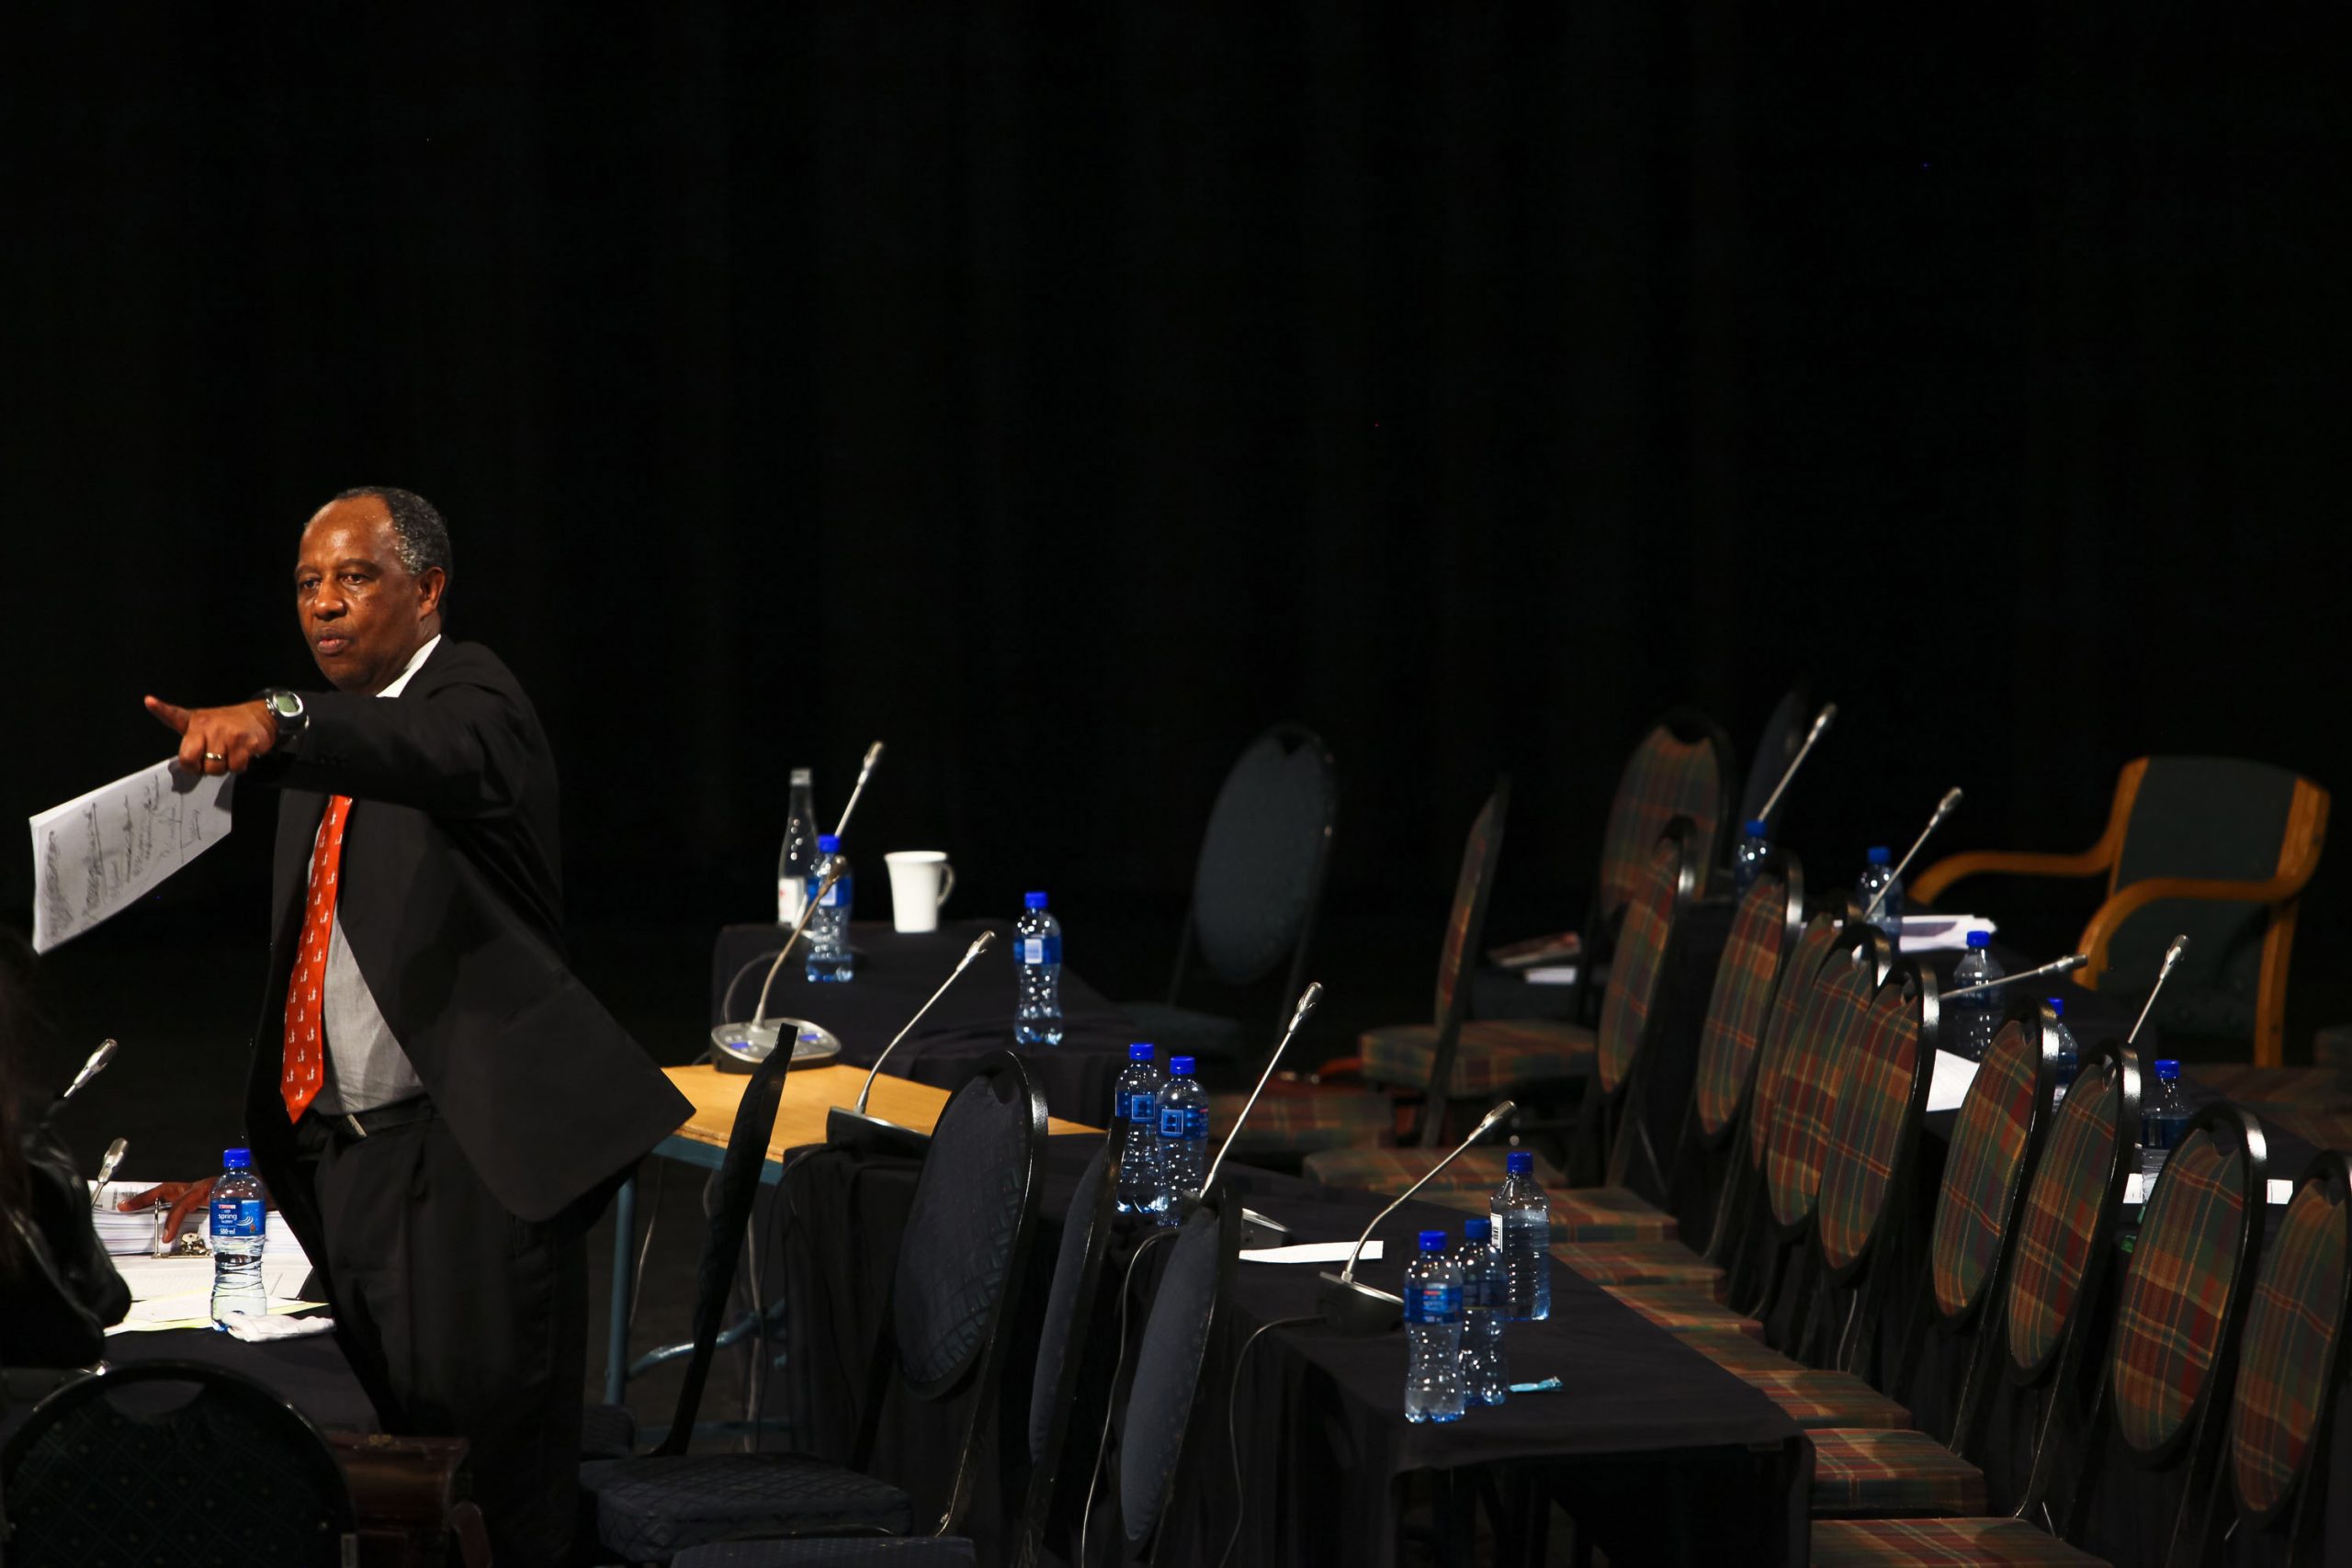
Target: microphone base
[[1262, 1230], [1357, 1309], [865, 1134]]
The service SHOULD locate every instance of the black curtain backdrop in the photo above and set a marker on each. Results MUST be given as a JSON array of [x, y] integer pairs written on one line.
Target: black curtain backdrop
[[1065, 395]]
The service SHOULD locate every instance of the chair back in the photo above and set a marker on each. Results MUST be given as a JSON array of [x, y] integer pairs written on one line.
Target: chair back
[[961, 1259], [1764, 930], [111, 1468], [2290, 1361], [2185, 1290], [738, 1183], [1466, 926], [1783, 735], [2218, 817], [2069, 1209], [1683, 768], [1795, 1003], [1995, 1140], [1667, 884], [1166, 1389], [1260, 876], [1062, 1337], [1820, 1052], [1876, 1123]]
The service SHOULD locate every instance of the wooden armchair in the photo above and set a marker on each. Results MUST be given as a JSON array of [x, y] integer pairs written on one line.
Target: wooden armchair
[[2214, 846]]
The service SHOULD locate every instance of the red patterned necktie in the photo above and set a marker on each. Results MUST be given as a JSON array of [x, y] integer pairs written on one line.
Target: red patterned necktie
[[304, 1013]]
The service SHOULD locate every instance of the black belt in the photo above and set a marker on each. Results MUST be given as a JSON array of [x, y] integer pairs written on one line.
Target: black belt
[[350, 1126]]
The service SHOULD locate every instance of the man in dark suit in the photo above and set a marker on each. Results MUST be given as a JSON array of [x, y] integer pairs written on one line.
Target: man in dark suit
[[438, 1104]]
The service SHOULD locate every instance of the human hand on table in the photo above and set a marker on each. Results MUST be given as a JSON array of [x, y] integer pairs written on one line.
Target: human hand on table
[[184, 1197], [218, 740]]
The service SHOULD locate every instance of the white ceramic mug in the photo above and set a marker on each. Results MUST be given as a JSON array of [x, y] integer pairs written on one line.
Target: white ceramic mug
[[920, 880]]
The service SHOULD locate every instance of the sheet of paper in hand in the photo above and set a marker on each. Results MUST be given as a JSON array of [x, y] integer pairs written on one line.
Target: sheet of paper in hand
[[98, 852]]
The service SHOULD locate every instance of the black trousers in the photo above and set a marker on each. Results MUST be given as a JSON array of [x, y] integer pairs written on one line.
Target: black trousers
[[458, 1318]]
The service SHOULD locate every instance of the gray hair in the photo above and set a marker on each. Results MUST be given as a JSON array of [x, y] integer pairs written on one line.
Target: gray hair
[[422, 538]]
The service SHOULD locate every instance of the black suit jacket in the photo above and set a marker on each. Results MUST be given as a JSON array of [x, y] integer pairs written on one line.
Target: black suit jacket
[[451, 900]]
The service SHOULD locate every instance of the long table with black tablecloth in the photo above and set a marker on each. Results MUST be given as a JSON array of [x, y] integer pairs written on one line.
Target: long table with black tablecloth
[[1662, 1455], [895, 971]]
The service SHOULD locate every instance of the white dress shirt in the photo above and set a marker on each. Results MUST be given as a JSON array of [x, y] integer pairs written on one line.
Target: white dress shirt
[[365, 1067]]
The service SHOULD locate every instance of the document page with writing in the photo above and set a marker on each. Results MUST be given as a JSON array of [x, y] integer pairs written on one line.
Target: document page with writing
[[99, 852]]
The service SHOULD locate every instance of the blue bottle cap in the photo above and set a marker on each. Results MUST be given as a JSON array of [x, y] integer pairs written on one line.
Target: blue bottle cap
[[1141, 1052], [829, 844], [1477, 1228], [2167, 1069], [236, 1159], [1881, 855], [1181, 1067], [1520, 1162], [1033, 900], [1433, 1241], [1978, 939], [2057, 1005], [1755, 828]]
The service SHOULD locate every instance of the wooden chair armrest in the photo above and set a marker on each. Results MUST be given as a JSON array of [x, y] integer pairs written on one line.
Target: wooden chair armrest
[[2128, 901], [2012, 862]]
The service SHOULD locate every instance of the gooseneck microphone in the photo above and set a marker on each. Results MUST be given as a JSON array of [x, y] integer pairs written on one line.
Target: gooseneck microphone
[[981, 945], [2055, 966], [1308, 999], [1821, 721], [855, 1128], [2172, 956], [865, 771], [1354, 1308], [99, 1061], [1944, 807]]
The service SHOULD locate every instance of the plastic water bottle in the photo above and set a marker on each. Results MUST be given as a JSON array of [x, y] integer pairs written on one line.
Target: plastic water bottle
[[799, 854], [1433, 1390], [2164, 1122], [827, 935], [1878, 874], [1483, 1381], [2070, 1055], [1184, 1107], [1523, 1240], [1748, 855], [1135, 1121], [1038, 962], [239, 1225], [1975, 1020]]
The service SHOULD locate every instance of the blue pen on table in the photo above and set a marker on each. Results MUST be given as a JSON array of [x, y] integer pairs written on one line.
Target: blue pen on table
[[1549, 1385]]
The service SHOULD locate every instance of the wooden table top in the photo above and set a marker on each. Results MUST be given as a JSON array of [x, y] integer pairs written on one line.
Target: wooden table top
[[809, 1094]]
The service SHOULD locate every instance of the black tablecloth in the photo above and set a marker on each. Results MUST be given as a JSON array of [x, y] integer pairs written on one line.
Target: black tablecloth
[[1663, 1456], [894, 972], [310, 1373]]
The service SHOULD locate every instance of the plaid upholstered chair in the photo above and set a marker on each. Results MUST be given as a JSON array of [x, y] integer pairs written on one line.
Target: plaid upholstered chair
[[1609, 1211], [2291, 1371], [1256, 889], [2213, 847], [1474, 1060], [2158, 1403]]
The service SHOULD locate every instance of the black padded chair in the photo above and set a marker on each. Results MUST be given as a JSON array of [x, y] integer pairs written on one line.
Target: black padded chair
[[1060, 1410], [172, 1462], [1256, 889], [609, 1431], [955, 1291]]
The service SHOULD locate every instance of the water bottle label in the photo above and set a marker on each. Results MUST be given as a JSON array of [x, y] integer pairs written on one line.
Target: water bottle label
[[838, 898], [1138, 1106], [1196, 1124], [238, 1216], [1033, 950], [1433, 1302], [1172, 1121]]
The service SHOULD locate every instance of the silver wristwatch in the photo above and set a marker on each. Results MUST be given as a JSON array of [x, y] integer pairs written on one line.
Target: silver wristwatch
[[292, 719]]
